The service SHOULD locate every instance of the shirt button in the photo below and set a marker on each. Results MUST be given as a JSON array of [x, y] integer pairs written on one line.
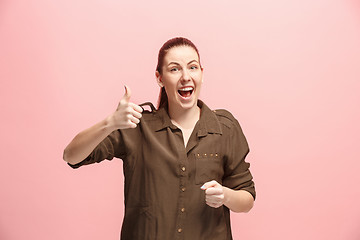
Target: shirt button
[[183, 189], [179, 230], [183, 169], [183, 210]]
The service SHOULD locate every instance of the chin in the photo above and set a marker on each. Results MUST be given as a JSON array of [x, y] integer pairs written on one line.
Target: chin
[[185, 104], [188, 105]]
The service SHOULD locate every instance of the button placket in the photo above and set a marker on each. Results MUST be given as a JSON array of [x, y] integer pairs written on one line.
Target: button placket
[[186, 170], [182, 189], [183, 174]]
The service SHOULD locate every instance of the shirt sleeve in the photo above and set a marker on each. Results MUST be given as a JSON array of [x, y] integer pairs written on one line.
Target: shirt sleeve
[[112, 146], [237, 174]]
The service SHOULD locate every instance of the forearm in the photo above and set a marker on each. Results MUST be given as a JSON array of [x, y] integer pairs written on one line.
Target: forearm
[[127, 115], [238, 200], [85, 142]]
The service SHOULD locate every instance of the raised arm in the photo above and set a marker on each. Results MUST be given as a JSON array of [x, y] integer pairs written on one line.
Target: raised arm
[[127, 115]]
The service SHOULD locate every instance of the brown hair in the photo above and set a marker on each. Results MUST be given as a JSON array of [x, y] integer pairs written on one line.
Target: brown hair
[[174, 42]]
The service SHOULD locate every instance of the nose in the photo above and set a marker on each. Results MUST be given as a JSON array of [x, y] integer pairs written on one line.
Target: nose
[[186, 75]]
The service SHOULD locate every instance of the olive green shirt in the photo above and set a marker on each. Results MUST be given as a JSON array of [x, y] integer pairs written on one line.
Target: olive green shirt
[[163, 199]]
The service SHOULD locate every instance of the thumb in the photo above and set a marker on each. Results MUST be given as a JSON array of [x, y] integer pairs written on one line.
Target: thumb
[[210, 184], [127, 94]]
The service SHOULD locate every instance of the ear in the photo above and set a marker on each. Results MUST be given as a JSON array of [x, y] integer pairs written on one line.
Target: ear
[[158, 79], [202, 74]]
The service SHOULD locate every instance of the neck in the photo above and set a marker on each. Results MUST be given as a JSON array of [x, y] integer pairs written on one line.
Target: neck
[[184, 118]]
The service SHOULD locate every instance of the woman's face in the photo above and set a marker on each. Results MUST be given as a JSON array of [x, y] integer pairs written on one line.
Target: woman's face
[[181, 76]]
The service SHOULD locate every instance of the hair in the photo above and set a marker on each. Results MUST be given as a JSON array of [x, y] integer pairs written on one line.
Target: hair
[[174, 42]]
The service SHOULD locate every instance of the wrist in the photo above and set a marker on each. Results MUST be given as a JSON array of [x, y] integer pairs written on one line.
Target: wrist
[[109, 123], [227, 193]]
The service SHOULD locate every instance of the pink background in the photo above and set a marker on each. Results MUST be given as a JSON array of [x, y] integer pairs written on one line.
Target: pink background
[[288, 70]]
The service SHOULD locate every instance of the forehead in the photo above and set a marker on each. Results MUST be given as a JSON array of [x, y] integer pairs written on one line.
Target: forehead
[[181, 54]]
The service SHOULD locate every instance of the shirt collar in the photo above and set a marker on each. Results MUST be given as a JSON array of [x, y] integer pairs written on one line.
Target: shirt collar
[[208, 122]]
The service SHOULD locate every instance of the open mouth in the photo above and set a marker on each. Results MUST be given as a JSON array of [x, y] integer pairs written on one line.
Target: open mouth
[[186, 92]]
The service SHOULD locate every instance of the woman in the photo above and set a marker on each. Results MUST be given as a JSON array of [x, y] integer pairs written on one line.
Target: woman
[[184, 165]]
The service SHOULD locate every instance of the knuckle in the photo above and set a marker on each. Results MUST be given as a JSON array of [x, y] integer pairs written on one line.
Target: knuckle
[[122, 102]]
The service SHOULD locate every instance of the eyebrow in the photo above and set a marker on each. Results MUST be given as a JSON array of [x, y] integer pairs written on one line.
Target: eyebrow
[[179, 64]]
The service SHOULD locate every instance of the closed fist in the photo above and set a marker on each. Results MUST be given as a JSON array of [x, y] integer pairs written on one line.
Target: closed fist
[[214, 194]]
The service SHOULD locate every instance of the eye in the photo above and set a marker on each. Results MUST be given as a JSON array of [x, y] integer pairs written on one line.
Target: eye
[[174, 69], [194, 67]]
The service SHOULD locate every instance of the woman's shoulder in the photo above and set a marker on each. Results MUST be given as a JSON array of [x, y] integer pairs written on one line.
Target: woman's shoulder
[[226, 118], [154, 118], [149, 111]]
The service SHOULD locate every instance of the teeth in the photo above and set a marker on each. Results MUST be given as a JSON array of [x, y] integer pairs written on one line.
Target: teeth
[[186, 89]]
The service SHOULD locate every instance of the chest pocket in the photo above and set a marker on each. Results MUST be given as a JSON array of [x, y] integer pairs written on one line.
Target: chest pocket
[[208, 167]]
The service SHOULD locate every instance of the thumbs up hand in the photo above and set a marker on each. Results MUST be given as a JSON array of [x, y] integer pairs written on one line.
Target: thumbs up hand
[[127, 114]]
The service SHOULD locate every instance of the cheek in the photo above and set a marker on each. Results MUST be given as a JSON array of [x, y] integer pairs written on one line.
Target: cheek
[[169, 85], [173, 81], [198, 78]]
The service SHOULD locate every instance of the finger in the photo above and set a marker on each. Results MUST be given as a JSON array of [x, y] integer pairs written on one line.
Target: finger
[[133, 119], [206, 185], [136, 107], [214, 198], [214, 202], [127, 94], [131, 124], [213, 191], [136, 114], [131, 111]]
